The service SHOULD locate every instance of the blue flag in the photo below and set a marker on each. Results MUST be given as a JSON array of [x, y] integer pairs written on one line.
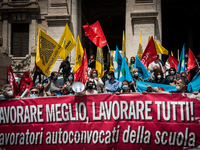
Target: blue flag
[[125, 72], [181, 64], [142, 70], [194, 85], [117, 63], [142, 86]]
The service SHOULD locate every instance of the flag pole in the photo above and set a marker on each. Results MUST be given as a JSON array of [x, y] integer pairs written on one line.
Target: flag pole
[[108, 48]]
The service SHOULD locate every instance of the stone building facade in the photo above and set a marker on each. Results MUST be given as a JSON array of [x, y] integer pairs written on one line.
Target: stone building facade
[[18, 33]]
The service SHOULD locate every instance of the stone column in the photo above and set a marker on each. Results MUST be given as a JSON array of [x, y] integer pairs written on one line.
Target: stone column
[[145, 17], [74, 26], [5, 34]]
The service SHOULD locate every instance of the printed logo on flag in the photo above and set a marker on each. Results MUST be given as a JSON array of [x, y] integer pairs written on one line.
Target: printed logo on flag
[[95, 29], [46, 50]]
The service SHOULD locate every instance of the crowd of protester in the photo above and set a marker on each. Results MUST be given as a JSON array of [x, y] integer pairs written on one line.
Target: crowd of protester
[[160, 73]]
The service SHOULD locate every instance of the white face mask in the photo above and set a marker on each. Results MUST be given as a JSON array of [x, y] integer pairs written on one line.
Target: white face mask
[[109, 77], [159, 76], [136, 74], [10, 93], [172, 72], [178, 88]]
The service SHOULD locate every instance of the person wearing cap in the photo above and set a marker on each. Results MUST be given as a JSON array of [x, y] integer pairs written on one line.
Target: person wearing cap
[[55, 91], [65, 66]]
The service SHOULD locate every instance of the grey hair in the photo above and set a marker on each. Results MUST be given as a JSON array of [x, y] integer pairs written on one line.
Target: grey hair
[[182, 79], [5, 86]]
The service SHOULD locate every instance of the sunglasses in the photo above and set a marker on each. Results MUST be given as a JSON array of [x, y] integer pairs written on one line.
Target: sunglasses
[[36, 92]]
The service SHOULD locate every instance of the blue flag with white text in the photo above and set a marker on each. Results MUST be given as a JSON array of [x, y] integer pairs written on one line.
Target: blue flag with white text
[[142, 70], [117, 63], [181, 64], [142, 86], [125, 72]]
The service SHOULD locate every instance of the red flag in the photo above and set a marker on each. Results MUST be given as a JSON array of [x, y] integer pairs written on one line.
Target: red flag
[[173, 62], [149, 55], [191, 61], [11, 80], [25, 82], [95, 33], [84, 73], [82, 70]]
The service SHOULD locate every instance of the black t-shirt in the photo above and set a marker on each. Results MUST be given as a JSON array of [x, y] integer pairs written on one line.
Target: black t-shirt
[[65, 66], [92, 65]]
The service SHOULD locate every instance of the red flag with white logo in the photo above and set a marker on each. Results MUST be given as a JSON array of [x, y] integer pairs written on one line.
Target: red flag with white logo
[[11, 80], [173, 62], [191, 60], [95, 33], [149, 55]]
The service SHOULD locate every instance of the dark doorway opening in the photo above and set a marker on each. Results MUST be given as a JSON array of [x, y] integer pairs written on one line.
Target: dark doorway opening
[[111, 16], [180, 25]]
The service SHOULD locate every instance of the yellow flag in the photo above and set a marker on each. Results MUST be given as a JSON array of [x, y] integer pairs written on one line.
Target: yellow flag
[[67, 42], [111, 61], [47, 52], [172, 53], [78, 54], [159, 48], [99, 62], [123, 45], [140, 50]]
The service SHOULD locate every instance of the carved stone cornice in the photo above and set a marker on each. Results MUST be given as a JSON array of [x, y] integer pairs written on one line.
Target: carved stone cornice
[[138, 16], [53, 18], [21, 6], [20, 64]]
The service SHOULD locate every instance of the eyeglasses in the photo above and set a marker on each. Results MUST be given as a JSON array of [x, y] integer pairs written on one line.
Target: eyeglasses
[[36, 92]]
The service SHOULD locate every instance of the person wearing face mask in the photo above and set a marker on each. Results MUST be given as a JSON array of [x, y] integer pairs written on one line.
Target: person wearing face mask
[[97, 82], [70, 80], [34, 92], [55, 91], [7, 92], [159, 78], [89, 88], [51, 83], [181, 86], [152, 77], [41, 90], [111, 85], [132, 62], [172, 77], [125, 88], [70, 91]]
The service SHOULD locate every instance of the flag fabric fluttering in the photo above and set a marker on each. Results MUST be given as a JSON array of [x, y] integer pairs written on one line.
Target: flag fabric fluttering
[[111, 61], [149, 55], [100, 62], [117, 63], [78, 54], [67, 42], [140, 49], [181, 65], [123, 45], [11, 80], [81, 72], [47, 52], [142, 86], [142, 71], [191, 61], [194, 85], [159, 48], [95, 33], [125, 72], [173, 62]]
